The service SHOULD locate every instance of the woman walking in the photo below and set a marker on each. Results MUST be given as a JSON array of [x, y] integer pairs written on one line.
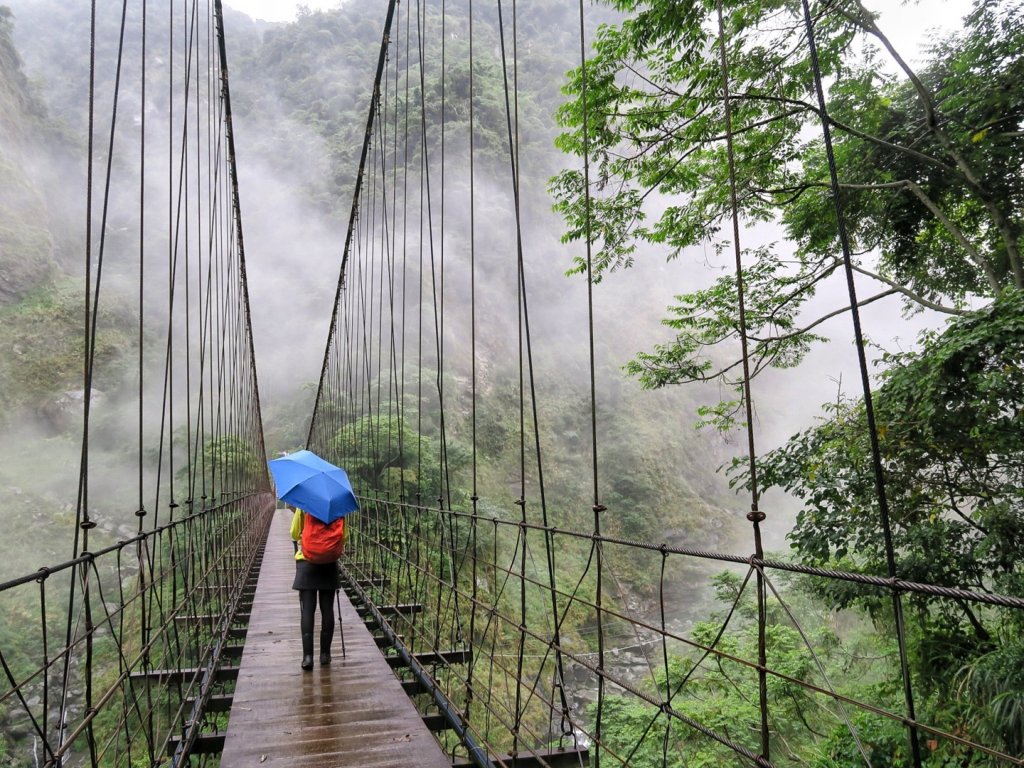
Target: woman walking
[[316, 583]]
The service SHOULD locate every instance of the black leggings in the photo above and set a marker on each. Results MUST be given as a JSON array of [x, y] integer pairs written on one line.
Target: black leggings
[[308, 598]]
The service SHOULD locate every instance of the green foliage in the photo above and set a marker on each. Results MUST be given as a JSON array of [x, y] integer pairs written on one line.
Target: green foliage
[[385, 455], [704, 320], [317, 73], [859, 663], [948, 418], [994, 684], [14, 89], [929, 164], [952, 227], [26, 260], [721, 693], [26, 247], [670, 121], [227, 464], [286, 421]]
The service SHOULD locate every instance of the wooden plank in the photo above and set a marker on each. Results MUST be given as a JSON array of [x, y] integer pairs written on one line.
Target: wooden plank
[[232, 651], [355, 567], [391, 610], [413, 687], [447, 658], [238, 618], [436, 723], [220, 703], [351, 713], [203, 744], [183, 675], [225, 593], [569, 757]]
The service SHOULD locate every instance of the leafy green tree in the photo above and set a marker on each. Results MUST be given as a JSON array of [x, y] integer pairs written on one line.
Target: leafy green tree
[[385, 455], [930, 165], [230, 464]]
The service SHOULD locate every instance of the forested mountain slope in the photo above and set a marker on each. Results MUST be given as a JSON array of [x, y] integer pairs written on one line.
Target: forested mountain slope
[[300, 95]]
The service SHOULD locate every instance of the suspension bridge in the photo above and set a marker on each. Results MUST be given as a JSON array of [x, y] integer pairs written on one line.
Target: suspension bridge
[[477, 628]]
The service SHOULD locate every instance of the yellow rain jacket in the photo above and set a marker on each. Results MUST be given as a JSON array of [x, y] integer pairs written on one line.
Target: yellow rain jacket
[[296, 532]]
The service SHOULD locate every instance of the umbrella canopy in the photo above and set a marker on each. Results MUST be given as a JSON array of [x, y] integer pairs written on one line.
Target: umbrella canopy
[[313, 485]]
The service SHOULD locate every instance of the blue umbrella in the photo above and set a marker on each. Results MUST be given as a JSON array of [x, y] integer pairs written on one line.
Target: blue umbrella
[[313, 485]]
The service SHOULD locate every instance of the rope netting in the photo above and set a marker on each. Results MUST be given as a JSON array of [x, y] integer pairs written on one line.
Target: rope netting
[[541, 629], [114, 655]]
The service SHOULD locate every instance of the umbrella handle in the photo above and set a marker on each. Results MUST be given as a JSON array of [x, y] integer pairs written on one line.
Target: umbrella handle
[[341, 625]]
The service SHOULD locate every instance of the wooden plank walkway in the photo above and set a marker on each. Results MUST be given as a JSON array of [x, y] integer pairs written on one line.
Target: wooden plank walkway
[[351, 713]]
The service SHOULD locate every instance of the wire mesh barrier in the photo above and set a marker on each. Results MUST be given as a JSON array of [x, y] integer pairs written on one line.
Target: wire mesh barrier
[[155, 636], [470, 597], [547, 615], [124, 652]]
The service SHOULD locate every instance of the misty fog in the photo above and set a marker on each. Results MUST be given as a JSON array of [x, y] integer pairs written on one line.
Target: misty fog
[[294, 224]]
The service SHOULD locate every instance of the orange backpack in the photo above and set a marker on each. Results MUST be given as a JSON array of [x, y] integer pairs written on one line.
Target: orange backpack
[[322, 542]]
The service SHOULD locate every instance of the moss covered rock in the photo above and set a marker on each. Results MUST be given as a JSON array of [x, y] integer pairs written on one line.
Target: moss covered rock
[[41, 346], [26, 257]]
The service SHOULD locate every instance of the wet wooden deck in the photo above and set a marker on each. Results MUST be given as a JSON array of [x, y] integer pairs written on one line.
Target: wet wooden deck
[[351, 713]]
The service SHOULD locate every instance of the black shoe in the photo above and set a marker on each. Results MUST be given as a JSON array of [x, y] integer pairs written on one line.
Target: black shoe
[[307, 662], [325, 659]]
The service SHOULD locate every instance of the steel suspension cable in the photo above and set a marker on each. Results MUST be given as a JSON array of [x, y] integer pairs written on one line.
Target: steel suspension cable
[[755, 516], [597, 506], [876, 454], [355, 206], [475, 491]]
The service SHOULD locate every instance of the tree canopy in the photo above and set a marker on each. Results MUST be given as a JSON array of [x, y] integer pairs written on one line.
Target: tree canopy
[[929, 161]]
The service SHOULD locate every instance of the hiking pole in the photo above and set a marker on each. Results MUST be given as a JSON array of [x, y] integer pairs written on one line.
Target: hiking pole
[[341, 625]]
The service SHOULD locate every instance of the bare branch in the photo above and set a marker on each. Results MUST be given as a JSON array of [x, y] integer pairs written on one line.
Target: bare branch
[[823, 318], [915, 189], [916, 297], [958, 235], [852, 131]]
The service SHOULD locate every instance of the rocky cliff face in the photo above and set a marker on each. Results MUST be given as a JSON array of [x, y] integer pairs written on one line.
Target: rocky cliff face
[[26, 246]]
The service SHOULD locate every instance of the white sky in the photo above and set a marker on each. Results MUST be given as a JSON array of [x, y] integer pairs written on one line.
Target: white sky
[[278, 10], [905, 22]]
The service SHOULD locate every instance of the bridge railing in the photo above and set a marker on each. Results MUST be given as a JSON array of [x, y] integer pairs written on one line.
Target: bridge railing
[[110, 658], [120, 655], [537, 663]]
